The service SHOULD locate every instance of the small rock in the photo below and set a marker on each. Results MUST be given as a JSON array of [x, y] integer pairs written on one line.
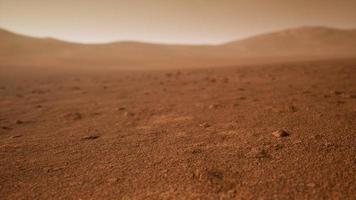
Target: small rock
[[75, 88], [46, 169], [257, 153], [198, 174], [230, 194], [277, 146], [164, 172], [280, 133], [317, 136], [339, 102], [95, 113], [121, 108], [113, 180], [196, 151], [212, 80], [19, 122], [292, 108], [77, 116], [204, 125], [213, 106], [129, 114], [336, 92], [67, 176], [74, 116], [6, 128], [215, 175], [350, 96], [91, 136], [328, 144]]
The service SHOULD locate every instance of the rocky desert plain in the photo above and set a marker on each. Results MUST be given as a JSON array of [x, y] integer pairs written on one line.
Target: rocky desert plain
[[269, 117]]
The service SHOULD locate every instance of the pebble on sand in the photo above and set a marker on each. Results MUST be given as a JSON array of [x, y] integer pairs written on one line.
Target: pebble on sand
[[19, 122], [74, 116], [204, 125], [91, 136], [6, 128], [121, 108], [336, 92], [280, 133], [129, 114], [113, 180], [257, 153], [213, 106]]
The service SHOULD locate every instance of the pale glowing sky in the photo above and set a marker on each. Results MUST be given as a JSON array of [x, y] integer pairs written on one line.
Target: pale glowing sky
[[169, 21]]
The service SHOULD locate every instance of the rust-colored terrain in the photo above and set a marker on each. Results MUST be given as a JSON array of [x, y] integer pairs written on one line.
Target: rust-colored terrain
[[197, 133]]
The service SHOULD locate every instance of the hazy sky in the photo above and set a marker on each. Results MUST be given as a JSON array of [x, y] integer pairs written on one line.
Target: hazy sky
[[169, 21]]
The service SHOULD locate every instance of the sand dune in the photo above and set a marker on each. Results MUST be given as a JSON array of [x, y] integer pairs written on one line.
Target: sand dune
[[303, 43]]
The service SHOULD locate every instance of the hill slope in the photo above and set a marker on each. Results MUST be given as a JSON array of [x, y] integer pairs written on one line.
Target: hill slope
[[298, 43], [304, 41]]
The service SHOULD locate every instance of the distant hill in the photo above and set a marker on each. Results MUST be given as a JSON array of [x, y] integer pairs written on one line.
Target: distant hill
[[291, 44], [304, 41]]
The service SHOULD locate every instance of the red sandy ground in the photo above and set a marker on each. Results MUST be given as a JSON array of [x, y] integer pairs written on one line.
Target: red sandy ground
[[189, 134]]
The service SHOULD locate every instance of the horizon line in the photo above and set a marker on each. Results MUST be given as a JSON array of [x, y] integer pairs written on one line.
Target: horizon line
[[172, 43]]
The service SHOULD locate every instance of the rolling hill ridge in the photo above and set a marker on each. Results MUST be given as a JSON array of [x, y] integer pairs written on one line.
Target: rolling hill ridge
[[290, 44]]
